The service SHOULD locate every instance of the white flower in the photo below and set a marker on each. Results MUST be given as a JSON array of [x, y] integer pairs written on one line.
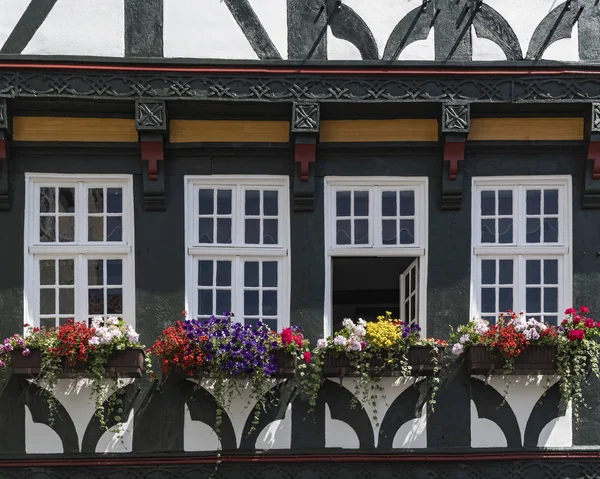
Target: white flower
[[340, 341], [362, 322], [322, 343], [353, 345], [112, 321], [94, 341], [348, 324], [132, 336], [97, 322], [457, 349], [464, 339], [481, 326], [360, 331]]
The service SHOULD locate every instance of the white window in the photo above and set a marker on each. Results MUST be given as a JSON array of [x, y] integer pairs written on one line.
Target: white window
[[521, 237], [78, 248], [376, 244], [237, 242]]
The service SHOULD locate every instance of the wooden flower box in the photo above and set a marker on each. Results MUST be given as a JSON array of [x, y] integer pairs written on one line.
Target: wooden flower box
[[123, 364], [419, 359], [286, 364], [534, 360]]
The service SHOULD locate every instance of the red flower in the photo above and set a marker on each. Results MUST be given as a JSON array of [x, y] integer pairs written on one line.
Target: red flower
[[577, 319], [598, 324], [576, 334], [564, 322], [307, 357], [570, 311], [287, 336], [589, 323], [584, 309], [298, 338]]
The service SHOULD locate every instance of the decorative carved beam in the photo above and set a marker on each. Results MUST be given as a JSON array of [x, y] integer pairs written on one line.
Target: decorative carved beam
[[454, 128], [305, 132], [151, 123], [591, 191], [4, 140]]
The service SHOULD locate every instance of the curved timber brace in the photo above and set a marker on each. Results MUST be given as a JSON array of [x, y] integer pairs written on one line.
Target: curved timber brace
[[591, 190], [305, 132], [4, 140], [151, 123], [454, 128]]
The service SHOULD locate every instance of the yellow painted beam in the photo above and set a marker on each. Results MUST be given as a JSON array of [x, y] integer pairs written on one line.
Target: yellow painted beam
[[526, 129], [45, 128], [378, 130], [229, 131]]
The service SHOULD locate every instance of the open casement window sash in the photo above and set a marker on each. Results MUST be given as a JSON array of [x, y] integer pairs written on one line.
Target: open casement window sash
[[409, 294]]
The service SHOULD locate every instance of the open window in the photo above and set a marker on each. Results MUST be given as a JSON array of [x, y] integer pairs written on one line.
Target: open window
[[375, 249]]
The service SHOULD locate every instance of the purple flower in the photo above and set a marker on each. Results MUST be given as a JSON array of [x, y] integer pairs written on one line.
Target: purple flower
[[26, 352], [1, 363]]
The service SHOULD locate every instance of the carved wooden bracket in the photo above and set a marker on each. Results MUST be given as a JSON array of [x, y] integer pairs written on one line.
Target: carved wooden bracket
[[151, 123], [591, 191], [305, 132], [4, 141], [454, 128]]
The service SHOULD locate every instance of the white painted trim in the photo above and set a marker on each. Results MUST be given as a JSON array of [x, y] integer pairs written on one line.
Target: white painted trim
[[419, 249], [237, 251], [520, 250], [80, 250]]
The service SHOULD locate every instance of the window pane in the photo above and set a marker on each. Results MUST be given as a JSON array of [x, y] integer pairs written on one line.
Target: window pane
[[533, 230], [66, 272], [342, 203], [251, 274], [270, 203], [488, 300], [253, 231], [66, 301], [224, 230], [533, 202], [95, 228], [251, 303], [96, 301], [533, 300], [551, 202], [361, 203], [488, 231], [506, 271], [407, 231], [551, 300], [407, 203], [224, 202], [505, 234], [223, 301], [506, 299], [205, 273], [270, 232], [47, 323], [47, 229], [114, 200], [269, 304], [269, 278], [550, 230], [551, 271], [488, 203], [488, 271], [205, 202], [388, 203], [66, 200], [205, 230], [47, 301], [223, 274], [66, 228], [505, 202], [114, 228], [532, 271], [47, 272], [269, 322], [343, 232], [95, 272], [95, 200], [114, 300], [361, 231], [47, 200], [114, 271], [253, 202], [205, 302], [388, 232]]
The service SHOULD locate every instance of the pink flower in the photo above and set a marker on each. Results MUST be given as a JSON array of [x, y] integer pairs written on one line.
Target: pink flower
[[307, 357], [576, 334], [363, 344], [598, 324], [584, 309], [564, 322], [570, 311], [577, 319], [589, 323], [26, 352], [1, 364]]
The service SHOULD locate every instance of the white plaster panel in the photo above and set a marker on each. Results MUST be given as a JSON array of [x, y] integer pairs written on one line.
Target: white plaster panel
[[203, 29], [484, 432], [524, 18], [338, 49], [273, 16], [486, 50], [81, 27], [11, 12], [278, 434], [412, 434], [40, 438], [110, 442], [338, 433], [198, 436]]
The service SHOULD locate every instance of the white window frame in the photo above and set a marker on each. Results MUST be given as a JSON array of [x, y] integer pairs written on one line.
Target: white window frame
[[80, 251], [237, 251], [375, 248], [519, 250]]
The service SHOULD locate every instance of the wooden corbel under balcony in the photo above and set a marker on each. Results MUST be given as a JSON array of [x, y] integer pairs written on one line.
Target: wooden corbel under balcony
[[591, 190], [454, 128], [304, 135]]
